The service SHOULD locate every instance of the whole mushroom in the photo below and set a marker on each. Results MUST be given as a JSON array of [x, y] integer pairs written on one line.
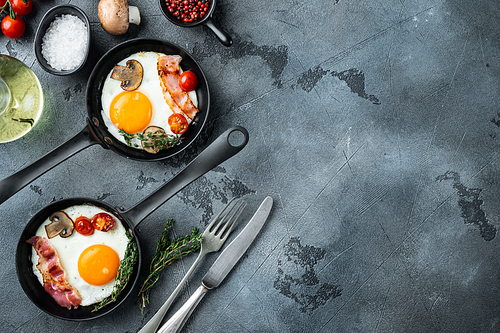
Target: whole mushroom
[[115, 16]]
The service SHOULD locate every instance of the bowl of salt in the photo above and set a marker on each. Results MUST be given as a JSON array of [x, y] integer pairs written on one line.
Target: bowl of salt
[[62, 40]]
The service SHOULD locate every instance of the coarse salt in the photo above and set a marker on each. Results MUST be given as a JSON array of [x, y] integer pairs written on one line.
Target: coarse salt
[[65, 42]]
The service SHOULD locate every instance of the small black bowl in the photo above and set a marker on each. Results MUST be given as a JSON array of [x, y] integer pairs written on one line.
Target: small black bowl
[[48, 18], [207, 20]]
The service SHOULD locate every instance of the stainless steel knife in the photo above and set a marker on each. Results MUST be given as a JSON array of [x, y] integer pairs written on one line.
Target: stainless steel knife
[[221, 267]]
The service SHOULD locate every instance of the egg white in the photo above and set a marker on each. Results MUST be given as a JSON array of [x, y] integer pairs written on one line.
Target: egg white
[[69, 250], [150, 86]]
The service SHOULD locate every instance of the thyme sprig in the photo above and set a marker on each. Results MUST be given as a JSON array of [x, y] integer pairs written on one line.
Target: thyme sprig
[[167, 252], [124, 273], [159, 140]]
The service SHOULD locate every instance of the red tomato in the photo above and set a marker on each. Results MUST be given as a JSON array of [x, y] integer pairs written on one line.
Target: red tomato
[[103, 221], [22, 8], [13, 28], [2, 3], [84, 226], [188, 81], [178, 123]]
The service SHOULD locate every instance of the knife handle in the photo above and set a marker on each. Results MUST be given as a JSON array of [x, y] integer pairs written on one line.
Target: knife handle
[[177, 321]]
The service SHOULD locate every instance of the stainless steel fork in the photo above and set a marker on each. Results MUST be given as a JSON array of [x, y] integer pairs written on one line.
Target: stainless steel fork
[[212, 240]]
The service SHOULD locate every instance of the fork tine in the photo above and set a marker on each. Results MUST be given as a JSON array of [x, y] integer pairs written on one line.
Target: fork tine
[[232, 217], [218, 215], [239, 210], [216, 229]]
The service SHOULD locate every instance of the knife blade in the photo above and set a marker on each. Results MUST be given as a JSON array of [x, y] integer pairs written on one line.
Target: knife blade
[[221, 267]]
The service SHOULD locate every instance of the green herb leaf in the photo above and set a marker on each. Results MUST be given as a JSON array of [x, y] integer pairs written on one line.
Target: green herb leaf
[[125, 271], [167, 252], [160, 140]]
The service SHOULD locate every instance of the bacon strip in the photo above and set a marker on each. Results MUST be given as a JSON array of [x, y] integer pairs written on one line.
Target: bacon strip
[[55, 279], [169, 72]]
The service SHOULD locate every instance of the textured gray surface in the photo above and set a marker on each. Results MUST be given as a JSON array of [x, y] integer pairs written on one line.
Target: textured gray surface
[[373, 124]]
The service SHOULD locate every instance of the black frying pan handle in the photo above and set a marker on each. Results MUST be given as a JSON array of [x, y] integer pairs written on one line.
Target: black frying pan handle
[[223, 36], [10, 185], [217, 152]]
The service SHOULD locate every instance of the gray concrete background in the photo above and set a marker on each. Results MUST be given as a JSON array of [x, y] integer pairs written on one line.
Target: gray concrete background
[[373, 124]]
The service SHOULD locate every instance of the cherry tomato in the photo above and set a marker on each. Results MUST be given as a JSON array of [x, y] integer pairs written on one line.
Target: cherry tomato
[[13, 28], [2, 3], [188, 81], [103, 221], [22, 8], [178, 123], [84, 226]]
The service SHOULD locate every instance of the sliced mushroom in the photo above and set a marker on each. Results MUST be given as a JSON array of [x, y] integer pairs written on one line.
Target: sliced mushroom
[[61, 225], [130, 75], [153, 133]]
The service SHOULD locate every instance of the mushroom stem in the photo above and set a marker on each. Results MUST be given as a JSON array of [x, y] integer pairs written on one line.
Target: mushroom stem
[[134, 16]]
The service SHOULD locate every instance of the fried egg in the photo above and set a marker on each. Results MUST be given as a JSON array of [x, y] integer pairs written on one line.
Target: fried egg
[[89, 261], [135, 110]]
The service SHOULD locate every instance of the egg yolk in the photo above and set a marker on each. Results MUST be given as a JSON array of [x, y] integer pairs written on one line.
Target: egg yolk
[[98, 264], [131, 111]]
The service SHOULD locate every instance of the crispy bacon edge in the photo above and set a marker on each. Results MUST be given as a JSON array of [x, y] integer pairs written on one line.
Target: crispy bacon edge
[[55, 279], [169, 72]]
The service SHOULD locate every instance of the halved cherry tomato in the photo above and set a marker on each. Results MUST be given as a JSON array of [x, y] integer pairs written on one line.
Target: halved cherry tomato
[[84, 226], [178, 123], [13, 28], [188, 81], [22, 8], [103, 221]]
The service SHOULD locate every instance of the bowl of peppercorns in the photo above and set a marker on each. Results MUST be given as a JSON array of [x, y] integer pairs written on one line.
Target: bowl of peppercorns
[[190, 13]]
